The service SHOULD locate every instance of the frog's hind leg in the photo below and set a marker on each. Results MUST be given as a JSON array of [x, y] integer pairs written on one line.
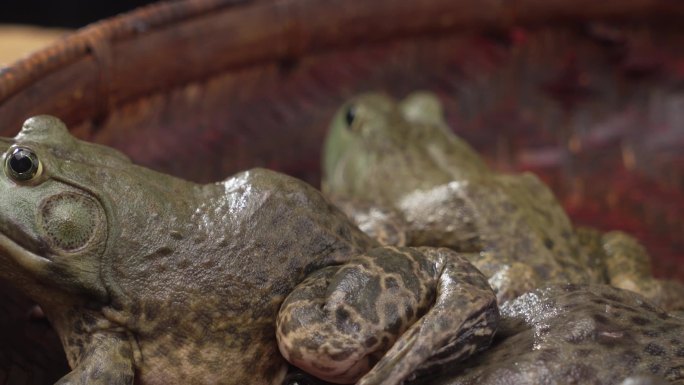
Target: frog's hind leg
[[628, 266], [384, 314], [461, 322], [341, 319]]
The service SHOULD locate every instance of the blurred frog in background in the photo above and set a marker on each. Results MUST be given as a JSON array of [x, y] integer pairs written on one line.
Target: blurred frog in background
[[397, 169]]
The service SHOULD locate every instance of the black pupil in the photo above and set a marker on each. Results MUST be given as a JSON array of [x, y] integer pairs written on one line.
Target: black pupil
[[350, 115], [21, 162]]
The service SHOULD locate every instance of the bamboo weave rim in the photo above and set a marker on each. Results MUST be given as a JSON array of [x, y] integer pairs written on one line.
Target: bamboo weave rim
[[245, 32]]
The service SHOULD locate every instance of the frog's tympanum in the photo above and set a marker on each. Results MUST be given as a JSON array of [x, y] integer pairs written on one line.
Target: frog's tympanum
[[405, 178], [149, 279]]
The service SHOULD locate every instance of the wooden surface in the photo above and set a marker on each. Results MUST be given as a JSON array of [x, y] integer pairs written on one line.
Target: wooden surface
[[17, 41], [98, 67]]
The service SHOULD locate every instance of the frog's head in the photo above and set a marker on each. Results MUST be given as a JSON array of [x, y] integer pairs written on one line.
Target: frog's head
[[378, 149], [53, 224]]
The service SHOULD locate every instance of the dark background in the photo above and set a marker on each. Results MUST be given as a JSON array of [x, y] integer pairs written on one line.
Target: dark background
[[63, 13]]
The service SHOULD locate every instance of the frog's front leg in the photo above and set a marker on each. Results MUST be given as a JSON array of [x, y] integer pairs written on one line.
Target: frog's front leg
[[386, 314], [106, 359]]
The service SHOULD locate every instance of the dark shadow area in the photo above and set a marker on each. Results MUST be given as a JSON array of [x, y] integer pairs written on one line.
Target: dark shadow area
[[64, 13]]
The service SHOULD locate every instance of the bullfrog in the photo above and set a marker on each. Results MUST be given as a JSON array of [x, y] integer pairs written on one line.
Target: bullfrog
[[570, 334], [398, 170], [149, 279]]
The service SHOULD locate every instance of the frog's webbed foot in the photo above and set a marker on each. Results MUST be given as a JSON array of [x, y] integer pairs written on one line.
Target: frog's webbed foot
[[387, 314], [628, 266], [384, 224], [106, 360]]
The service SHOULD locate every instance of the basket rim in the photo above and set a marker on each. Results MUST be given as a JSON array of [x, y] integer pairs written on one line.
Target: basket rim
[[83, 41], [296, 32]]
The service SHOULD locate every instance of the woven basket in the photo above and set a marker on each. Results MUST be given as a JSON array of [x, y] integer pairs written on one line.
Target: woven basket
[[588, 94]]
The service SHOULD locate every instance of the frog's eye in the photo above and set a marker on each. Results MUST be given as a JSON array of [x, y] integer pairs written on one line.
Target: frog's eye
[[22, 164], [350, 115]]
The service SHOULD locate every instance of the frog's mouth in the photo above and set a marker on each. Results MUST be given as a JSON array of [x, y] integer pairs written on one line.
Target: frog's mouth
[[27, 259], [13, 245]]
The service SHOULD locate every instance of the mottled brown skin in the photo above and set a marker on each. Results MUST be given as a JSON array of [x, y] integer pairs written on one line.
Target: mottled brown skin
[[578, 335], [429, 307], [570, 334], [402, 159], [149, 279]]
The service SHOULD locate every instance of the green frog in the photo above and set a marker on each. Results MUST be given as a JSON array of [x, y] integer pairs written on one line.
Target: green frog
[[149, 279], [404, 177]]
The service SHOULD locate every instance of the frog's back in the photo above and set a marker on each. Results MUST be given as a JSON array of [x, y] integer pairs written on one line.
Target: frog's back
[[522, 219], [504, 219], [278, 208]]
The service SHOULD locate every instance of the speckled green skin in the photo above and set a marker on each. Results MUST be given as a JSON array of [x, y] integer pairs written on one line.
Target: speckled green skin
[[578, 335], [401, 160], [149, 279]]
